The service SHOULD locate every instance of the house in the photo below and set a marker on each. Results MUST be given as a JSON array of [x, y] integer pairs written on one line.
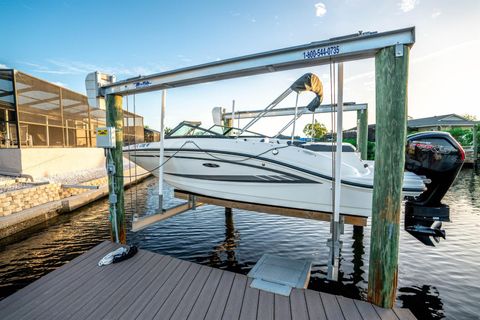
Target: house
[[436, 123], [47, 129]]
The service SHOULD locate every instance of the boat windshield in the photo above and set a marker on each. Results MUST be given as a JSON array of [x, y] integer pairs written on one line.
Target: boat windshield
[[188, 129], [233, 132]]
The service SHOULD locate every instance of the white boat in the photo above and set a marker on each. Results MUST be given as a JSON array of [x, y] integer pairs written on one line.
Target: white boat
[[236, 164]]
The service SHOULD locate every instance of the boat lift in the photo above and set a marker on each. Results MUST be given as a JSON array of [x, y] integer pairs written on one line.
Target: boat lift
[[390, 49]]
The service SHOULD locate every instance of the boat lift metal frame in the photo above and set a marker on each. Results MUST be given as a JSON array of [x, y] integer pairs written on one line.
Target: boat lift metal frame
[[352, 47]]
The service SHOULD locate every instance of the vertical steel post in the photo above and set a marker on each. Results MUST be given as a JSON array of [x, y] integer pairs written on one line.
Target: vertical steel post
[[391, 74], [115, 180], [162, 151], [335, 243]]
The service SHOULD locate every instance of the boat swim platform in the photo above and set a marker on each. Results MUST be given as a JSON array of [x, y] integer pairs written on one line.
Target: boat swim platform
[[155, 286], [197, 200]]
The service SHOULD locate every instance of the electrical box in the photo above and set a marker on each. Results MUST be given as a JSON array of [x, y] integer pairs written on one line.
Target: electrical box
[[106, 137]]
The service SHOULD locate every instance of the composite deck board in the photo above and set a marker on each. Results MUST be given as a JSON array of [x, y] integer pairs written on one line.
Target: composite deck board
[[366, 310], [219, 300], [235, 298], [13, 305], [266, 304], [349, 309], [109, 293], [314, 305], [332, 308], [150, 285], [386, 314], [298, 305], [191, 296], [181, 287], [404, 314], [140, 301], [250, 303], [129, 288], [150, 310], [200, 307], [47, 294], [282, 308], [139, 296]]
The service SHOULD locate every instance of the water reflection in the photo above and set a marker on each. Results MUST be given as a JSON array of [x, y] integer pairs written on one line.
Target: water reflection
[[434, 282], [425, 300], [228, 246]]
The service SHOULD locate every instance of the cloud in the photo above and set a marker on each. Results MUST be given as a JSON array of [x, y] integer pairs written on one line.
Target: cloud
[[64, 67], [408, 5], [436, 13], [3, 66], [61, 84], [320, 9]]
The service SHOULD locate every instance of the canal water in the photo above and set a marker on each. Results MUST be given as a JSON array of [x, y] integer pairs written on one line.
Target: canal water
[[434, 282]]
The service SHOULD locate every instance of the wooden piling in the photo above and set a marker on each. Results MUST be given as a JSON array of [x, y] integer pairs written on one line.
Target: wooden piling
[[362, 133], [391, 74], [115, 119]]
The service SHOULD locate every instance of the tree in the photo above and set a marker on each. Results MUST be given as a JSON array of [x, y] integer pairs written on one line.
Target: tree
[[470, 117], [315, 130]]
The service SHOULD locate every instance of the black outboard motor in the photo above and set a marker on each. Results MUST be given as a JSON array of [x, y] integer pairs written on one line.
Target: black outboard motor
[[438, 157]]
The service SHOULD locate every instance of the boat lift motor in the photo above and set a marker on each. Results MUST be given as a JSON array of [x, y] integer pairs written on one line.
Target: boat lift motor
[[438, 157]]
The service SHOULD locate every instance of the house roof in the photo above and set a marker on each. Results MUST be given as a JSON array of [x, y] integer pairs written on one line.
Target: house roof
[[451, 119]]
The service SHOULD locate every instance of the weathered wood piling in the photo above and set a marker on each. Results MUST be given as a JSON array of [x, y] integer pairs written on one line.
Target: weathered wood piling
[[115, 182], [391, 72]]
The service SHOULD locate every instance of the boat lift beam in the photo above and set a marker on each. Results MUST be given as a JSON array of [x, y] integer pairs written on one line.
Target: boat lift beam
[[325, 108], [356, 46]]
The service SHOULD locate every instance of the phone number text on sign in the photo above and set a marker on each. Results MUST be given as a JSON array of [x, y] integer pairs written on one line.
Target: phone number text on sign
[[321, 52]]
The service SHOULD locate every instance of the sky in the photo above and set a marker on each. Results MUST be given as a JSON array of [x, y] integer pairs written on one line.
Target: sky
[[62, 41]]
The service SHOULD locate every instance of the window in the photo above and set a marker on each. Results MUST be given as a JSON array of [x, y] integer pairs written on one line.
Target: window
[[8, 117]]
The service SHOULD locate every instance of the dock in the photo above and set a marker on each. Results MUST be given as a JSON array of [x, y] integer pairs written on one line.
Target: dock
[[155, 286]]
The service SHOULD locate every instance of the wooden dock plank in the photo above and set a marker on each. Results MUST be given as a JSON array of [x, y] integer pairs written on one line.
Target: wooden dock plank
[[185, 270], [250, 302], [349, 309], [385, 314], [366, 310], [200, 307], [174, 298], [191, 296], [144, 295], [282, 308], [314, 305], [404, 314], [151, 286], [112, 286], [332, 308], [46, 293], [266, 305], [219, 300], [120, 299], [298, 304], [235, 298], [23, 296]]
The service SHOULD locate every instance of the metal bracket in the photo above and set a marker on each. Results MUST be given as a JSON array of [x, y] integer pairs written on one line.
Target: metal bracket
[[399, 50]]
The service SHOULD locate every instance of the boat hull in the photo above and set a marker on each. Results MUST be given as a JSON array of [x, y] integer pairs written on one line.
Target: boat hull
[[253, 172]]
